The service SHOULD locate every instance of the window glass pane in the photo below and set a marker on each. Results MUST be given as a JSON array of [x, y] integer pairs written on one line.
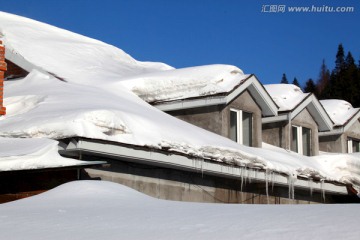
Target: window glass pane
[[294, 141], [355, 146], [233, 126], [306, 140], [247, 128]]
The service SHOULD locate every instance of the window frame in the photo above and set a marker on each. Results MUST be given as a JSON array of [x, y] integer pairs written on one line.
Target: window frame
[[350, 145], [239, 125], [300, 140]]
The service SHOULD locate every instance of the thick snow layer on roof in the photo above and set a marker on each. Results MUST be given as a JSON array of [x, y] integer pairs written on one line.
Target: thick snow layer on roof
[[26, 154], [186, 82], [57, 51], [339, 111], [286, 96], [103, 210], [43, 106], [89, 104]]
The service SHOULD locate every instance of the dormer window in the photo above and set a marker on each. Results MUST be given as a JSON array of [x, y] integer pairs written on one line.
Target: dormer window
[[241, 127], [353, 145], [301, 140]]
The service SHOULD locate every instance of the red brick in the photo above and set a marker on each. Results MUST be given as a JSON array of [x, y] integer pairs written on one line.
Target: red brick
[[3, 66]]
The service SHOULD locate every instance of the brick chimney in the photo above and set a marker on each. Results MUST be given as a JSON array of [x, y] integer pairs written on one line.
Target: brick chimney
[[2, 73]]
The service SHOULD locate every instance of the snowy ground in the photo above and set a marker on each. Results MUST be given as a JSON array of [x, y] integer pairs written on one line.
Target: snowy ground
[[103, 210]]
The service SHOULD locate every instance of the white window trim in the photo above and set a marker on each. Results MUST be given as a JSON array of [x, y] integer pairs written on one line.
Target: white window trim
[[350, 145], [300, 139], [239, 123]]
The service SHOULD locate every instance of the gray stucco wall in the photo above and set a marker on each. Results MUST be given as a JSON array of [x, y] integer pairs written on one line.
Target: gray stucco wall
[[277, 133], [217, 118], [338, 143], [333, 143], [178, 185]]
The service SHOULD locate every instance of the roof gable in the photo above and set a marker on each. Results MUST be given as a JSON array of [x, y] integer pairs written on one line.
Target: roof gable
[[251, 83], [316, 110]]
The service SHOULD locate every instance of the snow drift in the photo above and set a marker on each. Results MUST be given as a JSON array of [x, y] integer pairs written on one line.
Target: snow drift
[[103, 210]]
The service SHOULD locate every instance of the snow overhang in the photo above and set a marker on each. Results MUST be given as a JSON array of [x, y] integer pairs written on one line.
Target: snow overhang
[[19, 60], [252, 84], [312, 104], [80, 165], [180, 162]]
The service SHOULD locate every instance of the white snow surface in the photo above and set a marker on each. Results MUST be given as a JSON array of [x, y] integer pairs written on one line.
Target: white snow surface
[[340, 111], [69, 55], [104, 210], [32, 153], [186, 82], [286, 96], [93, 103]]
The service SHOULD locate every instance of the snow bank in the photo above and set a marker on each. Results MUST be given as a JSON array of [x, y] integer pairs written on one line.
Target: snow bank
[[339, 111], [103, 210], [25, 154], [186, 82], [286, 96]]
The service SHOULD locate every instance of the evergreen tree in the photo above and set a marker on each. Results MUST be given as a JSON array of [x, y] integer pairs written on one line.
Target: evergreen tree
[[351, 81], [349, 61], [284, 79], [323, 81], [296, 82], [340, 59], [310, 86]]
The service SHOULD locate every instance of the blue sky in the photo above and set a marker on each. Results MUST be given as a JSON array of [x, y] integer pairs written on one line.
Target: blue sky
[[198, 32]]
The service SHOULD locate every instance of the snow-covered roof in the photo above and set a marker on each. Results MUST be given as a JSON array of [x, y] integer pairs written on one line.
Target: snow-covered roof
[[186, 82], [197, 86], [33, 153], [102, 210], [340, 111], [286, 96], [92, 103], [291, 99], [38, 44]]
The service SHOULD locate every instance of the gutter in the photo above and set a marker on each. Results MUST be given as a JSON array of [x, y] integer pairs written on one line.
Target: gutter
[[180, 162]]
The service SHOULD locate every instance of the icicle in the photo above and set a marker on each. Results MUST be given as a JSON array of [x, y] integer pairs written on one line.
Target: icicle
[[267, 186], [291, 182], [311, 186], [242, 178], [322, 189], [248, 175], [245, 176], [202, 169], [272, 180]]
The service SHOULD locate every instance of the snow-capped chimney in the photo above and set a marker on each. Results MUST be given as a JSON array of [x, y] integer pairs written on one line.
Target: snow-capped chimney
[[2, 73]]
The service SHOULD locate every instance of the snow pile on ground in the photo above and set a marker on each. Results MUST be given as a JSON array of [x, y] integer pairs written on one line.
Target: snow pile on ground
[[286, 96], [186, 82], [21, 154], [339, 111], [103, 210]]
